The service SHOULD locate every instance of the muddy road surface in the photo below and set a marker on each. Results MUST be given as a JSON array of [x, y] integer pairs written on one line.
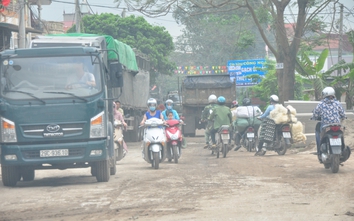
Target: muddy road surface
[[200, 187]]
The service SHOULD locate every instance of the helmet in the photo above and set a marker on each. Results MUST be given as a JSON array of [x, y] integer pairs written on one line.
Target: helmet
[[212, 98], [274, 98], [151, 102], [246, 102], [234, 104], [169, 101], [221, 100], [328, 91]]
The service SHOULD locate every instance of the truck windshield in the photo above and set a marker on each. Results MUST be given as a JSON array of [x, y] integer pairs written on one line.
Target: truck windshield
[[49, 77]]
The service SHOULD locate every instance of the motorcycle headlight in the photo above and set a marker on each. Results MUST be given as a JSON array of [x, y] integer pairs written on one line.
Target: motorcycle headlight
[[8, 131], [98, 126]]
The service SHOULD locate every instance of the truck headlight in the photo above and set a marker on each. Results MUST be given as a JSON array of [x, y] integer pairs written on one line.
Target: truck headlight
[[8, 131], [98, 126]]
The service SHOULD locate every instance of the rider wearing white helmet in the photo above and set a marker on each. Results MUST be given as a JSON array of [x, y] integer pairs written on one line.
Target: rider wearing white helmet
[[212, 100], [329, 111], [169, 108], [274, 99], [152, 111]]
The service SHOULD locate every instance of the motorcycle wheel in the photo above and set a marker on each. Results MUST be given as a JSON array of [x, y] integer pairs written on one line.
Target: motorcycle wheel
[[283, 147], [155, 160], [175, 153], [224, 150], [119, 152], [169, 154], [335, 163]]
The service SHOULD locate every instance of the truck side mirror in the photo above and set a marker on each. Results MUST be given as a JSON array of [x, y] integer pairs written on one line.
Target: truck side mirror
[[115, 74]]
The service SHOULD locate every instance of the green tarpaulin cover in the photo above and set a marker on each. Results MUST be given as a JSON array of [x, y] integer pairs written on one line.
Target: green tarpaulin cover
[[125, 52]]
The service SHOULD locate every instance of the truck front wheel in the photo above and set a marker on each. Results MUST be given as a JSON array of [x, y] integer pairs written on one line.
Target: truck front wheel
[[102, 171], [10, 175]]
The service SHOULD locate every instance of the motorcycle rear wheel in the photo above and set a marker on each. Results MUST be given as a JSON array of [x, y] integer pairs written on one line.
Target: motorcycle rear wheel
[[224, 150], [335, 163], [283, 147]]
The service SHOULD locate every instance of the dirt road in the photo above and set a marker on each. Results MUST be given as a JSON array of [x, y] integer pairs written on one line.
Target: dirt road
[[200, 187]]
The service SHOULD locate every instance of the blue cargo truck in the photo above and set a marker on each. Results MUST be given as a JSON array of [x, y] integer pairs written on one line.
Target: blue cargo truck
[[49, 120]]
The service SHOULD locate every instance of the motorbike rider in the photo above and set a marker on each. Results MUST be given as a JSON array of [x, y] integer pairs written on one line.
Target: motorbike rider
[[170, 114], [212, 100], [234, 106], [169, 107], [221, 115], [329, 110], [152, 111], [246, 115], [273, 99], [117, 115]]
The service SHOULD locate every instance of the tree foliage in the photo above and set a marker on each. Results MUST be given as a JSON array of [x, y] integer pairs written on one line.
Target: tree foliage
[[154, 41], [270, 13], [216, 38], [313, 71]]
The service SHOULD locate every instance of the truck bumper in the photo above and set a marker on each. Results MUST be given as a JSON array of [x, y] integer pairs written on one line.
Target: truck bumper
[[56, 153]]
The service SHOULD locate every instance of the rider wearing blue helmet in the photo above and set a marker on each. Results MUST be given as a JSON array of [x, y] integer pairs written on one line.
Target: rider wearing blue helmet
[[221, 115]]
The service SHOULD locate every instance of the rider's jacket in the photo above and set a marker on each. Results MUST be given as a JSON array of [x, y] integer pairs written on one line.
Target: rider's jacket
[[207, 111], [330, 111], [221, 115]]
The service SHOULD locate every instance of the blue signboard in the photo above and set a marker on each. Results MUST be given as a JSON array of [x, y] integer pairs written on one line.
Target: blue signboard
[[240, 69]]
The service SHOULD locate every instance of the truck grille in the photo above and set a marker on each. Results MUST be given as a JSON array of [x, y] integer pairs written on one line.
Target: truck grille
[[65, 129], [34, 154]]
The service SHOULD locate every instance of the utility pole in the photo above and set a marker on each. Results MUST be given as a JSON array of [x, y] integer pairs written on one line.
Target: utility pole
[[340, 43], [22, 25], [77, 16]]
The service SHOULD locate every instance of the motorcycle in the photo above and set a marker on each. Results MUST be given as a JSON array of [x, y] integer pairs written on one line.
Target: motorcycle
[[154, 149], [118, 140], [333, 151], [222, 138], [173, 140], [275, 137], [249, 139]]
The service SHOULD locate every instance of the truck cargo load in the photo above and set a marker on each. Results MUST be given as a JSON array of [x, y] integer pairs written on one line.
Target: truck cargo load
[[195, 91]]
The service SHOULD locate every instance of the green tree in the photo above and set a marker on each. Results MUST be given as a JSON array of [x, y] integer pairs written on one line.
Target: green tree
[[264, 13], [268, 85], [154, 41], [313, 71], [213, 39]]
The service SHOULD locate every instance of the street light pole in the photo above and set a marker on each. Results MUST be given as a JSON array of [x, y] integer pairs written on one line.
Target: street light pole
[[340, 43], [77, 16], [22, 26]]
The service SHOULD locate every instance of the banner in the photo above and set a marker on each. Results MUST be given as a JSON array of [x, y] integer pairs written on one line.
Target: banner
[[240, 69], [190, 70]]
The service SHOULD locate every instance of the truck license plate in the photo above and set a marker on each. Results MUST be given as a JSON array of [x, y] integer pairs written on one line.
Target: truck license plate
[[335, 142], [225, 136], [286, 135], [54, 153], [250, 135]]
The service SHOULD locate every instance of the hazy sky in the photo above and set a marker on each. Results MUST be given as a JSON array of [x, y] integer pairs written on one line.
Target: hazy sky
[[54, 12]]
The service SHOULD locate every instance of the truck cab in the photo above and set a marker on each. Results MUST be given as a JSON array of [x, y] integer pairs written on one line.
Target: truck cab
[[50, 121]]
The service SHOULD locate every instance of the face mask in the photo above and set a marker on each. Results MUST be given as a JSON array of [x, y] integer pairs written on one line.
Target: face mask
[[152, 108], [169, 107]]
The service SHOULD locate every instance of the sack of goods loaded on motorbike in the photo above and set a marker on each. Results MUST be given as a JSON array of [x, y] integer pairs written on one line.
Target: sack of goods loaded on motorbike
[[284, 115]]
